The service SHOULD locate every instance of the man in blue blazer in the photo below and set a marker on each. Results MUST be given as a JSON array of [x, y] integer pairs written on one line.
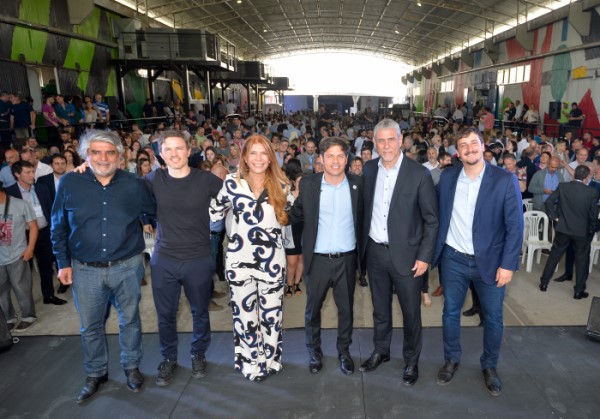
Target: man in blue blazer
[[479, 240]]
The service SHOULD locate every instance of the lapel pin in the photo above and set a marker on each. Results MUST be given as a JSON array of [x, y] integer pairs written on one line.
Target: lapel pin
[[353, 186]]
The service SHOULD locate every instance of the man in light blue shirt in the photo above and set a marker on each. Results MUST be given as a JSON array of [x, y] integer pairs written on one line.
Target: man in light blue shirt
[[330, 204], [6, 176]]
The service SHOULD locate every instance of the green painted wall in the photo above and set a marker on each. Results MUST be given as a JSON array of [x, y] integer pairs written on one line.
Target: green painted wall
[[29, 42]]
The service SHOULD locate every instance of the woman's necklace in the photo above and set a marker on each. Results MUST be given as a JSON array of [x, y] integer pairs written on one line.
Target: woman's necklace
[[256, 188]]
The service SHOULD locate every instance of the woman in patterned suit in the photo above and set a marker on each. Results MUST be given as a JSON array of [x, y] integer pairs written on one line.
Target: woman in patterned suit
[[253, 200]]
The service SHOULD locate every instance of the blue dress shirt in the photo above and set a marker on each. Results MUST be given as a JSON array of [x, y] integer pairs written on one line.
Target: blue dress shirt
[[96, 223], [335, 232]]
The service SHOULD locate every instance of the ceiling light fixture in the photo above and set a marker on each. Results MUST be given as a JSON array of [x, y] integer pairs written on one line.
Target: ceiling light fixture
[[264, 30], [397, 32], [239, 1], [419, 4]]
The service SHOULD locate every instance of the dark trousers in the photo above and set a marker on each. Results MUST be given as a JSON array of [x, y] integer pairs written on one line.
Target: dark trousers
[[5, 136], [338, 274], [569, 262], [425, 282], [581, 252], [45, 260], [384, 280], [474, 297], [168, 276]]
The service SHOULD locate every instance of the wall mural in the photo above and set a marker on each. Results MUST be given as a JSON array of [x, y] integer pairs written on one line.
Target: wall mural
[[568, 77]]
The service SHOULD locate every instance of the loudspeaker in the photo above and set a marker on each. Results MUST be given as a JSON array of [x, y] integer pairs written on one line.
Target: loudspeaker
[[554, 110], [593, 325]]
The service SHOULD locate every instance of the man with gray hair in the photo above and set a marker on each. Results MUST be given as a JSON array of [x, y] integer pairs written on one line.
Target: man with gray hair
[[98, 243]]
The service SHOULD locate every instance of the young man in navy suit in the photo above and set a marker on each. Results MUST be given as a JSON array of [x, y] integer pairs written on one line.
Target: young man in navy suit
[[479, 240]]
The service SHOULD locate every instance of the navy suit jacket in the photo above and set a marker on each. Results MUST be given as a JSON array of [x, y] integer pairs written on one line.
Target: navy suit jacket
[[42, 194], [48, 182], [413, 215], [497, 223], [306, 208]]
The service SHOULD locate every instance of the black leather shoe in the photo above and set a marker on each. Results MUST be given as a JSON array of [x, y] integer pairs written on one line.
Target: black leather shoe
[[492, 381], [563, 278], [362, 281], [446, 373], [346, 363], [198, 366], [54, 300], [471, 312], [375, 360], [411, 375], [62, 289], [543, 287], [315, 360], [89, 390], [135, 379], [580, 295]]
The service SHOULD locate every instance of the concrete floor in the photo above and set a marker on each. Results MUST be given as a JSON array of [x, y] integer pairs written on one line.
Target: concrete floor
[[524, 305], [547, 373]]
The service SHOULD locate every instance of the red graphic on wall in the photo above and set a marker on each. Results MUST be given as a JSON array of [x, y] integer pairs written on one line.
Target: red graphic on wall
[[531, 91]]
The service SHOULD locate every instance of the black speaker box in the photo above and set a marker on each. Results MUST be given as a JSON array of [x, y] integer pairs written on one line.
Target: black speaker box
[[554, 110], [593, 325]]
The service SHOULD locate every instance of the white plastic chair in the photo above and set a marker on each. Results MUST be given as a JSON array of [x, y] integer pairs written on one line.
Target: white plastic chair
[[528, 204], [535, 236], [595, 247]]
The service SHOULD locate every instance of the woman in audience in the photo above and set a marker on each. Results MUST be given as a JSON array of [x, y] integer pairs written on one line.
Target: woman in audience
[[135, 148], [254, 200], [90, 115], [210, 154], [73, 159], [222, 160], [234, 158], [143, 167], [293, 244]]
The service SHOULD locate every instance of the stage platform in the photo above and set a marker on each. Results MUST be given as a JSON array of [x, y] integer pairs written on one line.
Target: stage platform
[[547, 372]]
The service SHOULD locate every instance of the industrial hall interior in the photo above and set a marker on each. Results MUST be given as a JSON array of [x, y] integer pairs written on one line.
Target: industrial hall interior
[[299, 209]]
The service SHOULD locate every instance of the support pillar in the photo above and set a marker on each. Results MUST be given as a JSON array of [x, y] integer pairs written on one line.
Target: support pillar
[[208, 93], [186, 89]]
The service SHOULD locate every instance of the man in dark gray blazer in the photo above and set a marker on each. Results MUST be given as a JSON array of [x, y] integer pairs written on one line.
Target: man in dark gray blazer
[[400, 228], [574, 208], [330, 204]]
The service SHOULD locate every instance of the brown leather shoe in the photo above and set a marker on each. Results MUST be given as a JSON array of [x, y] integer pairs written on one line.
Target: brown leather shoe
[[439, 291]]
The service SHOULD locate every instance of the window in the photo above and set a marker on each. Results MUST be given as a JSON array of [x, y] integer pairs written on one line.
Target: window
[[447, 86], [513, 75]]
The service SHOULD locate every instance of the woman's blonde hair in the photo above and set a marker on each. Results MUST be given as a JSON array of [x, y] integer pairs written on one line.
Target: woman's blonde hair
[[275, 179]]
